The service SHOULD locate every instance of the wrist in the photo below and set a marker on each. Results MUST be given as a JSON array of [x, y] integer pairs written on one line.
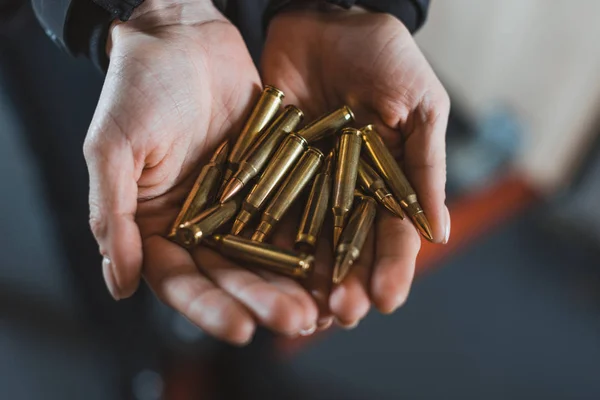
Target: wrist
[[155, 14]]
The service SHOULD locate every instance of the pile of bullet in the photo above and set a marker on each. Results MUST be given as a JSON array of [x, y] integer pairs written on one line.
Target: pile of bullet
[[267, 170]]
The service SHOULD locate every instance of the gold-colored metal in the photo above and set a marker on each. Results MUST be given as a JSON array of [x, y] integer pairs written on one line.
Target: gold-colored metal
[[191, 233], [263, 113], [327, 124], [316, 208], [204, 189], [263, 255], [289, 191], [284, 159], [372, 183], [397, 182], [262, 150], [353, 238], [344, 181]]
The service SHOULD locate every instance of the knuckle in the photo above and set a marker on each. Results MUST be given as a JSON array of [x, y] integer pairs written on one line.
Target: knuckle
[[92, 146], [97, 223]]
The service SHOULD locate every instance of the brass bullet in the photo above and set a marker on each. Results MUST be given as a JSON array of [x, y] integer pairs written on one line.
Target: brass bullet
[[204, 189], [391, 172], [263, 149], [284, 159], [344, 181], [263, 113], [289, 191], [191, 233], [372, 183], [353, 238], [316, 208], [327, 124], [263, 255]]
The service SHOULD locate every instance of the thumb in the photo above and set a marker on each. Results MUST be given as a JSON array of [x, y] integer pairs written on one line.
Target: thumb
[[113, 204]]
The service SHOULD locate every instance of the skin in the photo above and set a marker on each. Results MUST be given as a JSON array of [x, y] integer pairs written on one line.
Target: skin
[[181, 81], [323, 59]]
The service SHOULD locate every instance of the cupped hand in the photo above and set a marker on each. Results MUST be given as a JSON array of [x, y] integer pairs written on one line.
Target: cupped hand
[[369, 61], [180, 81]]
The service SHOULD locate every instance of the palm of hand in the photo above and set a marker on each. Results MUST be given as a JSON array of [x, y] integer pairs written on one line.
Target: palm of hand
[[370, 62], [163, 111]]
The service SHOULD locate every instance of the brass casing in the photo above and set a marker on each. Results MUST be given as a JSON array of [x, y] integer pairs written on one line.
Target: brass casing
[[370, 181], [204, 189], [391, 172], [344, 181], [387, 166], [327, 124], [191, 233], [284, 159], [263, 149], [265, 110], [288, 192], [263, 255], [354, 236], [316, 208]]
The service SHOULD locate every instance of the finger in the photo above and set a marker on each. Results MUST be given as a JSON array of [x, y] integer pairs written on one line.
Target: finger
[[284, 237], [113, 202], [172, 274], [272, 307], [425, 158], [350, 300], [396, 249], [319, 283]]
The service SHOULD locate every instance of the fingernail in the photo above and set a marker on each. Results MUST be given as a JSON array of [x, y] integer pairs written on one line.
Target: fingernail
[[309, 331], [346, 326], [324, 323], [448, 225], [109, 278]]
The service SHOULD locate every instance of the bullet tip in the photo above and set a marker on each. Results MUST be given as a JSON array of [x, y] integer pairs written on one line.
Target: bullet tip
[[337, 232], [423, 226], [231, 189], [259, 236], [238, 227], [392, 205], [341, 268]]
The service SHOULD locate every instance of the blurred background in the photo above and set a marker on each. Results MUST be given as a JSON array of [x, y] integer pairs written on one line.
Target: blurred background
[[509, 309]]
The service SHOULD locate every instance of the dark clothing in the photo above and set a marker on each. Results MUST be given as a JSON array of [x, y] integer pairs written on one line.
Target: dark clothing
[[80, 27]]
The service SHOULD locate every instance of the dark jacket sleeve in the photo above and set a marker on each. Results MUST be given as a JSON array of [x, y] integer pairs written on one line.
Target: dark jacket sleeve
[[80, 27], [412, 13]]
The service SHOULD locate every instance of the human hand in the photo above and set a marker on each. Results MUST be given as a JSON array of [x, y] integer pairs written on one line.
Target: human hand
[[180, 81], [322, 60]]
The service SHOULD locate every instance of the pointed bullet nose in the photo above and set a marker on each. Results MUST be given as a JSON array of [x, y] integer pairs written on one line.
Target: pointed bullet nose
[[232, 188], [341, 268], [258, 236], [392, 205], [238, 227], [423, 226], [337, 232]]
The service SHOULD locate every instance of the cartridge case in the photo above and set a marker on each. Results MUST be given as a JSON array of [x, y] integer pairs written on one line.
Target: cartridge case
[[263, 113], [263, 255], [260, 153], [344, 181], [327, 124], [191, 233], [397, 182], [284, 159], [353, 237], [371, 182], [316, 208], [288, 192], [204, 189]]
